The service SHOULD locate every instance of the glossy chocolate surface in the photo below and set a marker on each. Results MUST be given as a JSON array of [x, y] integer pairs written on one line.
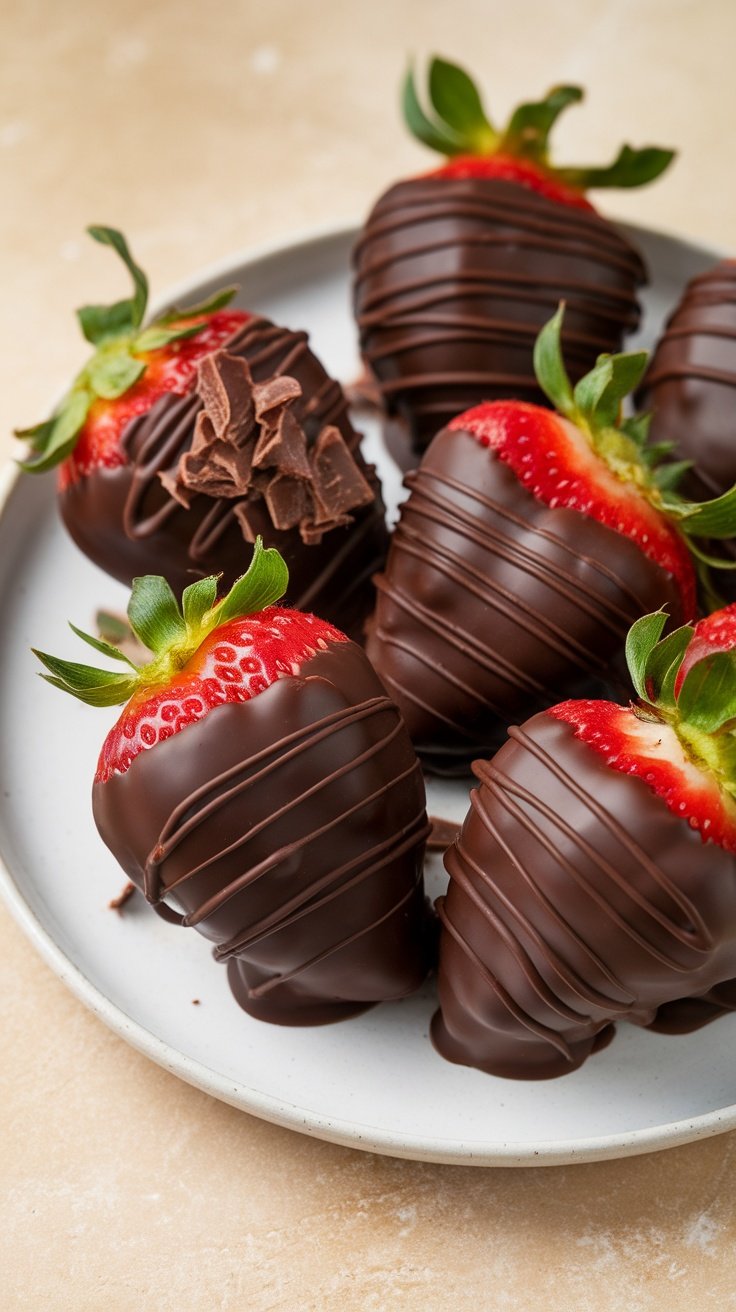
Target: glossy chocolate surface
[[127, 522], [289, 830], [576, 899], [454, 279], [690, 385], [494, 605]]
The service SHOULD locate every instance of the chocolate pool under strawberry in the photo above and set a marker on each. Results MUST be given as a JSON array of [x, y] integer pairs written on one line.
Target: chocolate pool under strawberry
[[182, 441], [260, 786], [457, 270], [594, 878], [528, 545]]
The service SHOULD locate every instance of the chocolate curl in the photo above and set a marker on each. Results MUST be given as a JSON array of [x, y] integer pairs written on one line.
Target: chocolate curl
[[337, 485], [221, 456]]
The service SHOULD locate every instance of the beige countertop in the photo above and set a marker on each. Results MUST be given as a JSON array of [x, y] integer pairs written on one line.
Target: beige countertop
[[201, 129]]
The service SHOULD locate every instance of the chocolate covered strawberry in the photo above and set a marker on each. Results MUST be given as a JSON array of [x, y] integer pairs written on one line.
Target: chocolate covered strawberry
[[457, 270], [180, 442], [690, 385], [529, 543], [259, 785], [594, 878]]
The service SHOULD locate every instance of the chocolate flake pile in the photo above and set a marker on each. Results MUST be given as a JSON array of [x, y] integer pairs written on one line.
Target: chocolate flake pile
[[249, 444]]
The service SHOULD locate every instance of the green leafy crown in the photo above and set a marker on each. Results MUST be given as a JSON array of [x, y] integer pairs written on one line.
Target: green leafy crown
[[701, 708], [459, 125], [595, 405], [120, 341], [171, 632]]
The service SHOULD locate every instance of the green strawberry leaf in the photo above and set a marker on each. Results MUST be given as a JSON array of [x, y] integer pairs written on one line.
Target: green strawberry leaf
[[707, 519], [265, 581], [105, 648], [662, 665], [435, 135], [457, 103], [666, 477], [631, 168], [104, 323], [217, 301], [158, 335], [527, 133], [707, 699], [62, 438], [154, 614], [111, 237], [637, 428], [712, 562], [549, 365], [111, 374], [599, 394], [113, 694], [197, 599], [90, 685], [39, 436], [641, 640], [654, 454]]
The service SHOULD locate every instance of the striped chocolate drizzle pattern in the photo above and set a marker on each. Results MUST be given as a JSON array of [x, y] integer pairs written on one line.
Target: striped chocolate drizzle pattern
[[436, 503], [502, 806], [501, 259], [707, 311], [203, 806]]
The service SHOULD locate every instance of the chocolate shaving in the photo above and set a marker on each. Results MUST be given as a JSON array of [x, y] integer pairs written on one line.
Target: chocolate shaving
[[249, 445], [117, 903], [338, 482], [443, 833], [364, 393]]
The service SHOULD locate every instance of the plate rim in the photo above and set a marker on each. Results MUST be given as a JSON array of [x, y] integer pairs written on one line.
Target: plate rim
[[349, 1134]]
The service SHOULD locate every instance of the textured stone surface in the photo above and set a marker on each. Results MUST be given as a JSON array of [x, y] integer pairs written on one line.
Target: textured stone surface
[[122, 1187]]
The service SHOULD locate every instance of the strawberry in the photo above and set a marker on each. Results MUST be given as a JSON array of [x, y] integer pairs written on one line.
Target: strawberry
[[180, 442], [594, 877], [457, 270], [529, 543], [260, 786], [690, 384], [131, 368]]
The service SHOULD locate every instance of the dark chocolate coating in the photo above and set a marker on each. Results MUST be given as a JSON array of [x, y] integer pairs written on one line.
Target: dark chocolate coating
[[128, 524], [290, 831], [494, 605], [576, 899], [454, 279], [690, 385]]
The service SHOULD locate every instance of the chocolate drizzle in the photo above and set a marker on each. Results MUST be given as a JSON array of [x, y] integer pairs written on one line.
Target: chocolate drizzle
[[691, 382], [454, 279], [288, 830], [494, 605], [561, 918], [143, 518]]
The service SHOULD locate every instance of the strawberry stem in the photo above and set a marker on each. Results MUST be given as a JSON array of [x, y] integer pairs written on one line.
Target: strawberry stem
[[696, 697], [595, 406], [457, 124], [115, 332], [172, 633]]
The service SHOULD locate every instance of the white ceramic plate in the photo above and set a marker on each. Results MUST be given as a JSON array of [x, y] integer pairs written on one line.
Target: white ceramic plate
[[372, 1082]]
